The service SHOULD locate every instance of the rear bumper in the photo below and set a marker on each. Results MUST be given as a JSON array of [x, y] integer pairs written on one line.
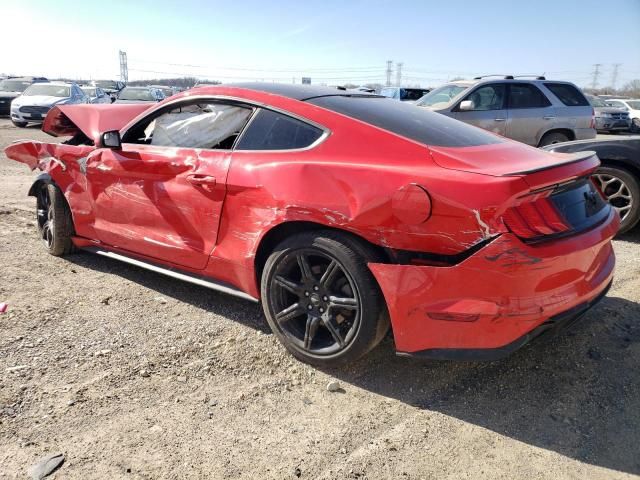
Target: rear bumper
[[585, 133], [499, 296]]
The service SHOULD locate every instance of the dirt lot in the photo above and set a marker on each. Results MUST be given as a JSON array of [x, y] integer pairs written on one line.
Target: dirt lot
[[134, 375]]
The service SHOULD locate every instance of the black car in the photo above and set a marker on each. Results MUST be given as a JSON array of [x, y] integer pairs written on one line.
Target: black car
[[619, 175], [12, 87]]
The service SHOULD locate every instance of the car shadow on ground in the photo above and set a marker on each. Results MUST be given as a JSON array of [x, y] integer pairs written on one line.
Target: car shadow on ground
[[575, 393], [631, 236]]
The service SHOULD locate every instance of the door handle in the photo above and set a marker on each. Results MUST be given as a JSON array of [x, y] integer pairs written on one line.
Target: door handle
[[549, 117], [196, 179], [499, 119]]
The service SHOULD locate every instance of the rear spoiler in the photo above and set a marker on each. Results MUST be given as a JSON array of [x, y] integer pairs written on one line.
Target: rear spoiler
[[568, 159], [91, 120]]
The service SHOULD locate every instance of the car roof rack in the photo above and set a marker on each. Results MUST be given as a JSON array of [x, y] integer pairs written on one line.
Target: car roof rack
[[537, 77], [506, 77]]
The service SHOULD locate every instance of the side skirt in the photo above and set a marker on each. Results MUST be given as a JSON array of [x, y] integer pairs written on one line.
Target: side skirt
[[186, 277]]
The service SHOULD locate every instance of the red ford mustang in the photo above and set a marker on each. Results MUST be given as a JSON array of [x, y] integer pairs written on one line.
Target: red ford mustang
[[343, 213]]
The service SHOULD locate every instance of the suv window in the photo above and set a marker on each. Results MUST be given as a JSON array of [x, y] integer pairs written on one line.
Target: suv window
[[568, 94], [487, 97], [525, 95], [271, 130]]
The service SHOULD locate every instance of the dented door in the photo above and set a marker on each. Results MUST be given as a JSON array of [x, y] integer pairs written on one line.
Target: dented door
[[161, 202]]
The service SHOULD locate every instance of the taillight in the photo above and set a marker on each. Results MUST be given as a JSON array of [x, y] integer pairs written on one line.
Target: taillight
[[593, 119], [535, 218]]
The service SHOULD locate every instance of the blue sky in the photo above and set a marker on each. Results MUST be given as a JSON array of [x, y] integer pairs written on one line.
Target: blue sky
[[330, 41]]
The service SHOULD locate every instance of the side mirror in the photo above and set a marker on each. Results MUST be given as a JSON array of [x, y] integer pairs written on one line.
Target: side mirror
[[111, 140], [466, 105]]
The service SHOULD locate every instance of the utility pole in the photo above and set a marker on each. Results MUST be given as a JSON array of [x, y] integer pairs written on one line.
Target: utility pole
[[124, 69], [399, 74], [389, 70], [596, 74], [614, 75]]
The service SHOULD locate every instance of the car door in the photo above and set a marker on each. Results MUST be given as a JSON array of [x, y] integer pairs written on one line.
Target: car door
[[530, 113], [161, 194], [487, 110]]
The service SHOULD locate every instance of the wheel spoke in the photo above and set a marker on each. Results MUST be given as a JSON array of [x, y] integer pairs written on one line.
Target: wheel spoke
[[289, 313], [305, 268], [343, 302], [333, 331], [310, 330], [330, 274], [287, 284]]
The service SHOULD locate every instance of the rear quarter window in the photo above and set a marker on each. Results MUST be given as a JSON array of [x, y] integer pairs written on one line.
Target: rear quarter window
[[568, 94], [410, 121], [271, 130]]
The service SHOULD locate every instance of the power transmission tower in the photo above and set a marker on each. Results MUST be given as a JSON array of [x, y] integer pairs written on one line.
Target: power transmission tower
[[389, 70], [399, 73], [124, 69], [596, 74], [614, 75]]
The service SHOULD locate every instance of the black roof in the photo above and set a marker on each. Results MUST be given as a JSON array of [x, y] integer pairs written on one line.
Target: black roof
[[299, 92]]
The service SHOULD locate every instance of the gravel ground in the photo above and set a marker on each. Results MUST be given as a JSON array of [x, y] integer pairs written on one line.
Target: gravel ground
[[133, 375]]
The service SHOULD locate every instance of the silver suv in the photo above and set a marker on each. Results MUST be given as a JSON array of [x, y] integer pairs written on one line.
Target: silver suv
[[537, 112]]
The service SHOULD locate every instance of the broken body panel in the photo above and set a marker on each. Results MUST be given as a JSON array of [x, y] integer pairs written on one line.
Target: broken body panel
[[483, 286]]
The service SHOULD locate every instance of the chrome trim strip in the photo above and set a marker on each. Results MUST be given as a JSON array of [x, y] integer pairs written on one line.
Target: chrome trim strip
[[172, 273]]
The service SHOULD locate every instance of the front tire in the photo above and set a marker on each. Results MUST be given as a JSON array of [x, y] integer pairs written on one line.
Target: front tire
[[19, 124], [552, 138], [54, 221], [321, 300], [622, 190]]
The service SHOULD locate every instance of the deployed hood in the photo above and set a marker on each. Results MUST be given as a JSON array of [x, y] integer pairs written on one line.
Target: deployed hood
[[92, 120], [39, 100]]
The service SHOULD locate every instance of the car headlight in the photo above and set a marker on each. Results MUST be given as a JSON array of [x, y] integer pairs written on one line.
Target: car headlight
[[605, 115]]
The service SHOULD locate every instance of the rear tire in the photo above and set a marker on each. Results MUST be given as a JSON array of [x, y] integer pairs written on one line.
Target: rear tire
[[622, 189], [553, 138], [321, 300], [54, 221], [19, 124]]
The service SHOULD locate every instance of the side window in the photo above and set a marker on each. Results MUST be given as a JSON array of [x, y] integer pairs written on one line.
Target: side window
[[211, 126], [488, 97], [525, 95], [270, 130], [568, 94]]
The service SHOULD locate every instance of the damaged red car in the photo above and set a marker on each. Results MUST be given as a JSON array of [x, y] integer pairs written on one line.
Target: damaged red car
[[345, 214]]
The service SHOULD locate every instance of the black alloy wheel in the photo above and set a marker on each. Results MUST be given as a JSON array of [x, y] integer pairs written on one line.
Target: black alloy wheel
[[321, 300]]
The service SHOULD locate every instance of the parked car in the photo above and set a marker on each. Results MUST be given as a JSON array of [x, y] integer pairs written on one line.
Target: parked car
[[536, 112], [12, 87], [404, 94], [166, 91], [36, 101], [339, 211], [110, 87], [631, 106], [619, 175], [96, 94], [608, 118], [139, 95]]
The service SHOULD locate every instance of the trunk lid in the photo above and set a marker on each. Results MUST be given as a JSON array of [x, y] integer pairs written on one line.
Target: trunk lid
[[91, 120]]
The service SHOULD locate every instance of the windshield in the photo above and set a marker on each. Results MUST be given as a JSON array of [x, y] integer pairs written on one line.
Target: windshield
[[596, 102], [129, 93], [390, 92], [441, 95], [13, 85], [634, 104], [89, 91], [109, 84], [48, 90]]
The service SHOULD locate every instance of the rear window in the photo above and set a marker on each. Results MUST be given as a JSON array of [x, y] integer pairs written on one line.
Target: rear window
[[410, 121], [568, 94], [271, 130]]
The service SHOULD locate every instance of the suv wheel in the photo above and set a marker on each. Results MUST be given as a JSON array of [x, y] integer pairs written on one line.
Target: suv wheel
[[552, 138], [321, 300], [622, 190]]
